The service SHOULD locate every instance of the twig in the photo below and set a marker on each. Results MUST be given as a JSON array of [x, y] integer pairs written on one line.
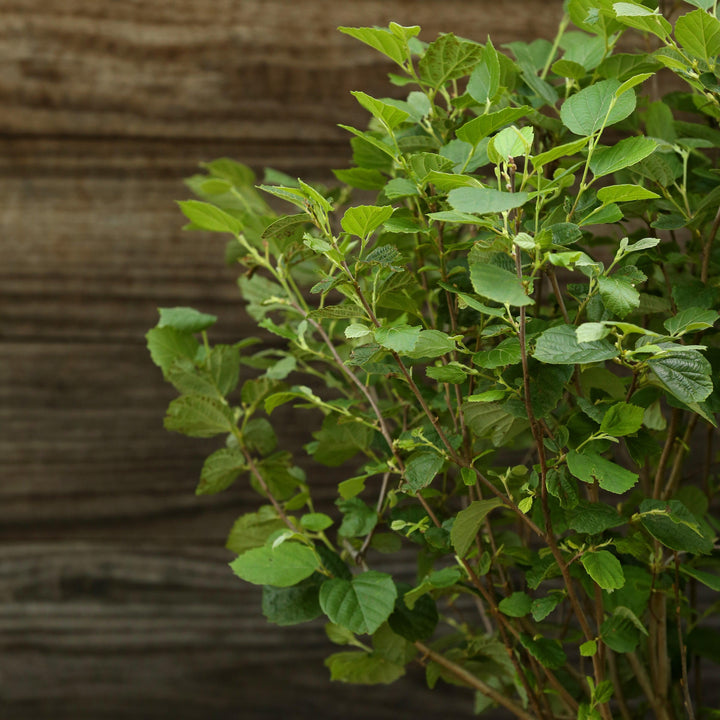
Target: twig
[[681, 640]]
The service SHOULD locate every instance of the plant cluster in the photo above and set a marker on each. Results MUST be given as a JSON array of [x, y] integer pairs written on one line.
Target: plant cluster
[[511, 353]]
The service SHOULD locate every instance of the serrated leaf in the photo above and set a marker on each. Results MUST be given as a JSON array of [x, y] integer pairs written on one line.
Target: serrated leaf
[[547, 652], [220, 470], [252, 530], [642, 18], [699, 34], [542, 607], [281, 566], [199, 416], [519, 604], [505, 354], [691, 319], [595, 107], [685, 373], [363, 668], [167, 344], [363, 220], [627, 152], [618, 295], [421, 469], [205, 216], [593, 518], [337, 312], [622, 419], [185, 319], [292, 605], [559, 346], [450, 373], [498, 284], [448, 58], [604, 568], [485, 201], [672, 524], [398, 338], [432, 344], [467, 523], [589, 467], [362, 604]]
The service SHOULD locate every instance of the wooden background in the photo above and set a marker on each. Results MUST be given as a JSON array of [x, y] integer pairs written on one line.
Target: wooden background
[[115, 596]]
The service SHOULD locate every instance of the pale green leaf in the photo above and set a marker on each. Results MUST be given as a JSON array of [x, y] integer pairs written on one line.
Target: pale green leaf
[[389, 115], [604, 568], [484, 201], [624, 193], [498, 284], [185, 319], [282, 566], [467, 523], [596, 107], [559, 346], [363, 220], [205, 216], [699, 34], [398, 338], [622, 419], [480, 127]]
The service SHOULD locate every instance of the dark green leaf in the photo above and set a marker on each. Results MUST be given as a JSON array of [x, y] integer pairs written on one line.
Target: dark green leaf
[[593, 518], [686, 374], [672, 524], [363, 668], [559, 346], [185, 319], [604, 568], [589, 467], [292, 605], [467, 523], [421, 469], [518, 604], [199, 416], [547, 652], [220, 470]]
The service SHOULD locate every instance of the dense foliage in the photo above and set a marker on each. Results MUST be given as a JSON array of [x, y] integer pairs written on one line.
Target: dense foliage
[[510, 351]]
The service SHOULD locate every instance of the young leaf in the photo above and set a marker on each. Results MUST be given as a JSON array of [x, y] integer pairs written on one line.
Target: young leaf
[[624, 193], [363, 220], [448, 58], [384, 41], [498, 284], [622, 419], [362, 604], [282, 566], [389, 115], [363, 668], [547, 652], [220, 470], [467, 523], [252, 530], [484, 81], [167, 345], [604, 568], [205, 216], [596, 107]]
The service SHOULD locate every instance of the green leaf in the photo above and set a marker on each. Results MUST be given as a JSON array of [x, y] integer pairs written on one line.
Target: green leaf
[[685, 374], [199, 416], [185, 319], [316, 522], [519, 604], [618, 295], [362, 604], [547, 652], [642, 18], [594, 16], [569, 69], [484, 81], [691, 319], [559, 346], [485, 201], [450, 373], [467, 523], [627, 152], [448, 58], [498, 284], [363, 668], [421, 469], [292, 605], [382, 40], [699, 34], [622, 419], [398, 338], [589, 467], [542, 607], [282, 566], [604, 568], [363, 220], [338, 441], [432, 344], [672, 524], [505, 354], [205, 216], [416, 623], [480, 127], [166, 345], [596, 107], [360, 178], [589, 648], [511, 142], [220, 470], [399, 188], [593, 518], [252, 530], [707, 579], [558, 151], [624, 193], [619, 633], [359, 519], [389, 115]]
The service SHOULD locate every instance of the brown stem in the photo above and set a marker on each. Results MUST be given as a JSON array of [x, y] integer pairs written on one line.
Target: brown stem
[[474, 682], [676, 469], [619, 695], [558, 295], [708, 247], [681, 640], [647, 686], [665, 455]]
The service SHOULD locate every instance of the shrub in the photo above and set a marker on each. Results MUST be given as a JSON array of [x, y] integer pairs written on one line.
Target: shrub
[[510, 350]]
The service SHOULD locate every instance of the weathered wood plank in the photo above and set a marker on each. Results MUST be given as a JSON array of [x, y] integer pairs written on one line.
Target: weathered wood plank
[[96, 631], [250, 69]]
